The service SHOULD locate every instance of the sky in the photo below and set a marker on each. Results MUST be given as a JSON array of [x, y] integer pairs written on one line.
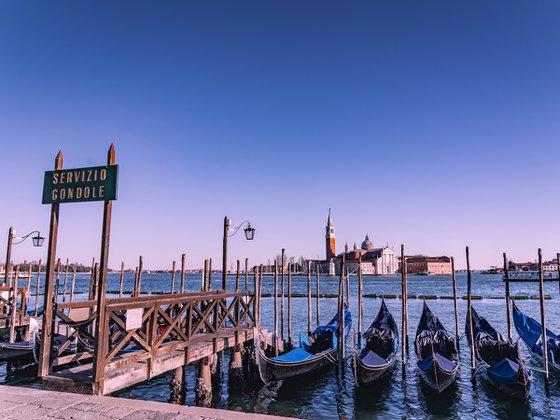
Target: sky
[[431, 124]]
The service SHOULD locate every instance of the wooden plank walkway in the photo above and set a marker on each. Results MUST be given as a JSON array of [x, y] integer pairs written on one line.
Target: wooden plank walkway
[[79, 379], [27, 403]]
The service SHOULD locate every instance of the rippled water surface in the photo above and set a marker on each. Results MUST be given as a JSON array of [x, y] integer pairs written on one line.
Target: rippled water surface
[[332, 393]]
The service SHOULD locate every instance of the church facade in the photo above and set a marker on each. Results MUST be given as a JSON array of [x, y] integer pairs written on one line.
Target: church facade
[[372, 260]]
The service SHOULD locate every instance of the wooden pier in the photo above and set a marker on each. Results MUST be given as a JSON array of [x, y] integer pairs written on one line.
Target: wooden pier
[[147, 336]]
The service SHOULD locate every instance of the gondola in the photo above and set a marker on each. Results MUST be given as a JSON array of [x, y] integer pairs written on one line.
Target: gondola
[[316, 351], [530, 332], [20, 349], [436, 351], [498, 361], [375, 358]]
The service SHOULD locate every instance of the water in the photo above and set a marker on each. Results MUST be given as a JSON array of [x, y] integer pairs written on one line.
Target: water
[[332, 393]]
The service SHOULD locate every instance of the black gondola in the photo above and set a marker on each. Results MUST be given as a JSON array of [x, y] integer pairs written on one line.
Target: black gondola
[[436, 351], [316, 351], [498, 361], [375, 359]]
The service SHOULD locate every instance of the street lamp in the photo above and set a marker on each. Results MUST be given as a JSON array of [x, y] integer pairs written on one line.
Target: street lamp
[[249, 235], [37, 241]]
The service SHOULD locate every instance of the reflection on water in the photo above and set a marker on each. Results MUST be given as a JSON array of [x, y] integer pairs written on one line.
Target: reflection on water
[[332, 393]]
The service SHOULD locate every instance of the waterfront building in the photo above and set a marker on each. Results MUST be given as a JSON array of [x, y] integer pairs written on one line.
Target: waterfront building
[[421, 264]]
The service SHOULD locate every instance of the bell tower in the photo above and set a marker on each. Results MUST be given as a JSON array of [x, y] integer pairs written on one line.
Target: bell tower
[[330, 239]]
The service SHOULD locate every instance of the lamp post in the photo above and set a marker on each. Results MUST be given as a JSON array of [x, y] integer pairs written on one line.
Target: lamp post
[[249, 235], [37, 241]]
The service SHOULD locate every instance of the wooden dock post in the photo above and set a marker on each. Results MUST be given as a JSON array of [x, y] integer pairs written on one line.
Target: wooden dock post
[[65, 280], [282, 297], [404, 291], [121, 280], [237, 275], [172, 288], [347, 282], [543, 320], [73, 286], [317, 294], [275, 344], [48, 319], [209, 272], [558, 269], [177, 386], [138, 290], [360, 297], [91, 279], [102, 324], [203, 388], [508, 299], [246, 274], [469, 311], [290, 305], [455, 305], [183, 263], [308, 297], [205, 277], [13, 309], [38, 287], [260, 296], [135, 282]]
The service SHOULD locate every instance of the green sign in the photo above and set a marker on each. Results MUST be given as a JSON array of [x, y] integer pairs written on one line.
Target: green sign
[[98, 183]]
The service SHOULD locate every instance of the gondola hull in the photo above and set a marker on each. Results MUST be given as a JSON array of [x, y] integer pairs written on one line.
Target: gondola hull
[[369, 374], [20, 350], [435, 375], [519, 390]]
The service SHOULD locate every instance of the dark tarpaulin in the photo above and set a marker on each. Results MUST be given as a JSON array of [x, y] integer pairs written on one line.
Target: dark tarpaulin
[[429, 322], [383, 321]]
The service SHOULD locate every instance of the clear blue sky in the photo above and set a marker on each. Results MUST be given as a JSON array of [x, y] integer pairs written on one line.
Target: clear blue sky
[[434, 124]]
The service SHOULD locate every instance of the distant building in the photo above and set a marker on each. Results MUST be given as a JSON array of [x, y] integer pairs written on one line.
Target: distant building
[[421, 264]]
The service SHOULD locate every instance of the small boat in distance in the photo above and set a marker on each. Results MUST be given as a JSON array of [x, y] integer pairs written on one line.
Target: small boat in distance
[[519, 275], [436, 351], [316, 351], [498, 361], [375, 360], [530, 332]]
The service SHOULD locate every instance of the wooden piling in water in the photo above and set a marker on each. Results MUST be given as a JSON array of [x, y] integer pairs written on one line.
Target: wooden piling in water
[[558, 269], [210, 274], [172, 288], [308, 297], [469, 311], [543, 320], [247, 274], [290, 305], [360, 296], [508, 299], [455, 305], [237, 275], [275, 344], [95, 279], [256, 289], [13, 312], [132, 293], [57, 282], [139, 287], [282, 297], [183, 263], [204, 285], [121, 280], [317, 294], [260, 295], [73, 286], [404, 333], [65, 281], [38, 288], [342, 310], [91, 280], [347, 283]]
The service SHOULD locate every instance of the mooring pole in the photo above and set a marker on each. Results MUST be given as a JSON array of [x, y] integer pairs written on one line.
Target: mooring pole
[[543, 321], [403, 310], [57, 283], [48, 320], [139, 290], [247, 274], [360, 296], [172, 288], [276, 307], [558, 269], [7, 267], [101, 336], [121, 280], [317, 294], [508, 299], [237, 275], [38, 288], [282, 298], [205, 277], [135, 286], [210, 274], [224, 257], [260, 295], [13, 312], [65, 281], [455, 305], [343, 310], [92, 279], [290, 268], [308, 298], [183, 263], [73, 286], [469, 310]]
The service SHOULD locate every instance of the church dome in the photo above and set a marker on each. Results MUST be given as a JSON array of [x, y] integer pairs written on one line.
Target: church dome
[[367, 245]]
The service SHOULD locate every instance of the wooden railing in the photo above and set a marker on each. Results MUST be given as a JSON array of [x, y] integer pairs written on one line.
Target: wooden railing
[[144, 327]]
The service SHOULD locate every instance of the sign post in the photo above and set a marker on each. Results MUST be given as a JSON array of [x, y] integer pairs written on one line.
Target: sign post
[[70, 186]]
